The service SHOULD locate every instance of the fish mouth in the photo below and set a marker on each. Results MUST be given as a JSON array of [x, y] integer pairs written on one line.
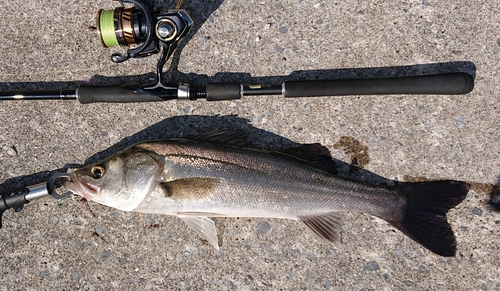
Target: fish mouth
[[82, 188]]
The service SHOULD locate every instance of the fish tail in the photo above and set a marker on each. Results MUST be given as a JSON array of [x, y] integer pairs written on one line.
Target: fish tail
[[424, 215]]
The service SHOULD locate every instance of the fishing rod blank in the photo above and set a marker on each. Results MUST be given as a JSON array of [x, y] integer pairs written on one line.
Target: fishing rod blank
[[442, 84], [39, 95]]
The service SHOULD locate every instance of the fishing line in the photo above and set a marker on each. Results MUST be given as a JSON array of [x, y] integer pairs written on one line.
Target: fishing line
[[121, 26], [179, 3], [106, 28]]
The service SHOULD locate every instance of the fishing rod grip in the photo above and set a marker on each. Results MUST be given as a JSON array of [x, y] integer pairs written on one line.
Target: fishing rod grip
[[114, 94], [12, 199], [442, 84], [126, 94], [16, 198]]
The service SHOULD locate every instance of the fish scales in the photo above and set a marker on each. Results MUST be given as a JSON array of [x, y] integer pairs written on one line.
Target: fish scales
[[260, 184]]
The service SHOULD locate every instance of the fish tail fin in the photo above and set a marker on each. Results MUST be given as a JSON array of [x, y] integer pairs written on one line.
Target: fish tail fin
[[424, 217]]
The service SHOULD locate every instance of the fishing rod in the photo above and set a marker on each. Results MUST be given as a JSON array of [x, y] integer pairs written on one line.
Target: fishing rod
[[16, 198], [147, 32]]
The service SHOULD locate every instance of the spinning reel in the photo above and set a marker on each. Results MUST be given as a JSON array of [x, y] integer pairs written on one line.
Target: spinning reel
[[149, 32]]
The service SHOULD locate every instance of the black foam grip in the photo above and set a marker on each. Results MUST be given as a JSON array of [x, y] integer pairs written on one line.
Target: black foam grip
[[112, 94], [223, 91], [12, 199], [447, 84]]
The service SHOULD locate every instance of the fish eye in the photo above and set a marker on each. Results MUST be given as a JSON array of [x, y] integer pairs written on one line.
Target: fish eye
[[97, 171]]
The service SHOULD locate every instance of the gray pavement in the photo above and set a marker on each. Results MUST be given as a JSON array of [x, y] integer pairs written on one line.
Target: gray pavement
[[68, 245]]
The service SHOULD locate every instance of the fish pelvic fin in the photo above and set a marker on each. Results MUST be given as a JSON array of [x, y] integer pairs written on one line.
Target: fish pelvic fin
[[203, 226], [326, 226], [424, 215]]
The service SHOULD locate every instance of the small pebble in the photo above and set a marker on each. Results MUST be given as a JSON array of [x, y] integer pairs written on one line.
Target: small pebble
[[44, 273], [263, 227], [248, 279], [476, 211], [232, 285], [271, 248], [283, 29], [459, 121], [11, 151], [105, 254], [373, 266], [100, 230]]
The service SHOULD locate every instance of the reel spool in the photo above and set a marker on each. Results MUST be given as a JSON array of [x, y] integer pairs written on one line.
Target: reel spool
[[127, 27], [122, 26]]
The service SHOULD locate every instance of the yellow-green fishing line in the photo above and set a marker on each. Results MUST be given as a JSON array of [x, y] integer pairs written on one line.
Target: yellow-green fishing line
[[107, 28]]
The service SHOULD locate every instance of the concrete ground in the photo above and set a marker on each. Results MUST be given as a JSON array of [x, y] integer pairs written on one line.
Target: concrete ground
[[70, 245]]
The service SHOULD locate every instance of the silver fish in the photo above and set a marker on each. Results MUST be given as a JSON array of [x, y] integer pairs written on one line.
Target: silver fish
[[221, 175]]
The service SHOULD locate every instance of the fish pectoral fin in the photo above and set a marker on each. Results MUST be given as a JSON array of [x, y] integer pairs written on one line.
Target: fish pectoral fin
[[203, 226], [189, 188], [326, 226]]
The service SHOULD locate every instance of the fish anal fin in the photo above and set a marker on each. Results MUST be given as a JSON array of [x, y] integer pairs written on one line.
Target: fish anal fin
[[326, 226], [189, 188], [314, 154], [203, 226]]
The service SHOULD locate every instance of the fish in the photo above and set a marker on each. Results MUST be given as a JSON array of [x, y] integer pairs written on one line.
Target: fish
[[222, 174]]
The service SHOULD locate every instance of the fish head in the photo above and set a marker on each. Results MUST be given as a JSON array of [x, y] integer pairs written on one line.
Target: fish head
[[121, 181]]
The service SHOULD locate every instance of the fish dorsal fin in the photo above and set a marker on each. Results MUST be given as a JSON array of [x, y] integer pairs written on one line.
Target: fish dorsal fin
[[314, 154], [325, 226], [203, 226], [189, 188], [228, 137]]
